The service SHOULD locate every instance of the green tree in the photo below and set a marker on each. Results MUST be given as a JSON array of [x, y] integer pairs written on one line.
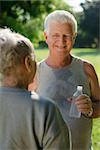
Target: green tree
[[89, 24], [26, 17]]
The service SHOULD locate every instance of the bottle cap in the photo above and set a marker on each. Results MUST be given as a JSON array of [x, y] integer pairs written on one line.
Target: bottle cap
[[79, 88]]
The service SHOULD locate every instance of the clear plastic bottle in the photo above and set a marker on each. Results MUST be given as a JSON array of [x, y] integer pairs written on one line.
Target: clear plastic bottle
[[73, 109]]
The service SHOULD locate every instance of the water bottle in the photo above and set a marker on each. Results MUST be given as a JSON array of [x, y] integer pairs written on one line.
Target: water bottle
[[73, 109]]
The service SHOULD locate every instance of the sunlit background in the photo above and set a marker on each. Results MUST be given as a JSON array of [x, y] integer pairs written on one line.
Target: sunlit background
[[27, 17]]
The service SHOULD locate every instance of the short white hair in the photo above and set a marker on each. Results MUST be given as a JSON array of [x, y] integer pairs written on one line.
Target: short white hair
[[61, 16], [13, 49]]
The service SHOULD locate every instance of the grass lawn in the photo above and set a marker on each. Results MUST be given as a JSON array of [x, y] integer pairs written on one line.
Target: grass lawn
[[94, 57]]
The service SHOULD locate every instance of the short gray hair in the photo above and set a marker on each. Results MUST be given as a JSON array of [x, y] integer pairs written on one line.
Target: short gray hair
[[61, 16], [13, 49]]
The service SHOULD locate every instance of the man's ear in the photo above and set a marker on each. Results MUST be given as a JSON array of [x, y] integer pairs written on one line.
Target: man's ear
[[75, 35], [45, 35], [28, 63]]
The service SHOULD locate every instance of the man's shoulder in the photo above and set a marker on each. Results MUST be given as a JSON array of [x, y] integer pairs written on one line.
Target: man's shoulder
[[90, 71]]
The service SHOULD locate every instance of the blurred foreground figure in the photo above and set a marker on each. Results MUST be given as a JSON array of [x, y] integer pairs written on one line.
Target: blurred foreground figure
[[27, 122]]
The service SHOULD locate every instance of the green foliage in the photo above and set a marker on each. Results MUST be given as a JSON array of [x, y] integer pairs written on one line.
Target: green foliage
[[27, 17], [89, 25]]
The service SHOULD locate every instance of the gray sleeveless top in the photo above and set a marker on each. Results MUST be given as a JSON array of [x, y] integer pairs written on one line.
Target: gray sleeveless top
[[59, 84]]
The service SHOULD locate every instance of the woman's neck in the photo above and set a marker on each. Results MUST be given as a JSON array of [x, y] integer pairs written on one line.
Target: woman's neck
[[11, 81]]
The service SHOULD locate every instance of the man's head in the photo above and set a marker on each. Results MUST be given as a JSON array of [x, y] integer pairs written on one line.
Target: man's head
[[17, 60], [60, 30], [61, 16]]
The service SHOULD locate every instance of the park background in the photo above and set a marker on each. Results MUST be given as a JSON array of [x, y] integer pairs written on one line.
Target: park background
[[27, 17]]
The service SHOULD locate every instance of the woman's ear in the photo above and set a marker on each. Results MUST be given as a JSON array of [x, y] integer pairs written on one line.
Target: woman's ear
[[28, 63]]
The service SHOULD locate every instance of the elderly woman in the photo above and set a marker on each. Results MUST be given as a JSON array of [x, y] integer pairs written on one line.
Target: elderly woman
[[26, 122], [60, 73]]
